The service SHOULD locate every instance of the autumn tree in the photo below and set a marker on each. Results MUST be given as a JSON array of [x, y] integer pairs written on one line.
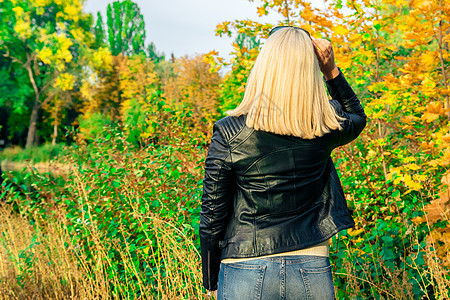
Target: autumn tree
[[43, 38], [119, 90], [194, 86]]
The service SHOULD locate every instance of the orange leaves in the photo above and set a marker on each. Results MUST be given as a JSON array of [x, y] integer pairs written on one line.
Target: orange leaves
[[433, 111], [428, 87], [194, 85], [429, 58], [439, 209], [222, 28], [262, 11]]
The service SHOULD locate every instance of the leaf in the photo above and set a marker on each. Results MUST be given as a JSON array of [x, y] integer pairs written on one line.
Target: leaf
[[429, 117], [341, 30], [262, 11], [115, 183]]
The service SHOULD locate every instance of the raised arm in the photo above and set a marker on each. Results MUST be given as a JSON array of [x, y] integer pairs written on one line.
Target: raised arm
[[346, 105], [345, 101], [217, 198]]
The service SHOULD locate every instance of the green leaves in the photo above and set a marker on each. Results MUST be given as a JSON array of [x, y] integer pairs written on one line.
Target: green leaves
[[126, 28]]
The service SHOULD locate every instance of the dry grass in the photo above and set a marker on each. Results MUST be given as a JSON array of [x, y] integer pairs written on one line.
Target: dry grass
[[41, 265], [39, 262]]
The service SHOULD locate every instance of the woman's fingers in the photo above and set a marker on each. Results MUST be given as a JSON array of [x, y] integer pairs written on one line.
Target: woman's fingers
[[324, 45], [318, 49], [325, 56]]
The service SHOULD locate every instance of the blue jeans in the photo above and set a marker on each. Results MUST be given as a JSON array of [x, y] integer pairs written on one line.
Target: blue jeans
[[280, 277]]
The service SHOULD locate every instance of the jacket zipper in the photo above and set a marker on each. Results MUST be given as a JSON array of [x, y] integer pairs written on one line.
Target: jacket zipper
[[209, 273]]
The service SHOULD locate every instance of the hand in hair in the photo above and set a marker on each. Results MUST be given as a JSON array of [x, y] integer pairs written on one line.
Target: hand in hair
[[325, 56]]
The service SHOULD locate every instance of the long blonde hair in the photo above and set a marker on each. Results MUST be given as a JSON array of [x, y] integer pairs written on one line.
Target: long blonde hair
[[285, 93]]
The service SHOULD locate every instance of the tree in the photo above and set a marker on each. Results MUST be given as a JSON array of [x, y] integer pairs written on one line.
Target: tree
[[15, 98], [43, 38], [99, 32], [153, 54], [126, 28], [194, 86]]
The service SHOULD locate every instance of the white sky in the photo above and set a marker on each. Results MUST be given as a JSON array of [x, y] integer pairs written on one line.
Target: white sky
[[188, 26]]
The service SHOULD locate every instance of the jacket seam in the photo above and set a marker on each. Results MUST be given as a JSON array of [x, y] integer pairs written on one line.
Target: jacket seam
[[227, 143], [244, 139], [237, 133], [270, 153], [265, 183], [219, 175]]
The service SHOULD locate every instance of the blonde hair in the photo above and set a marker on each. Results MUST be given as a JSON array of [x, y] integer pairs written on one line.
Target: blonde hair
[[285, 93]]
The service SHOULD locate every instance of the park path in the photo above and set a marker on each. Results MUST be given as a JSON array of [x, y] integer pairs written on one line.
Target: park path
[[41, 167]]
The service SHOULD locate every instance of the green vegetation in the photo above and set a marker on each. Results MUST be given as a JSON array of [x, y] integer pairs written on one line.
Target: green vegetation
[[35, 154]]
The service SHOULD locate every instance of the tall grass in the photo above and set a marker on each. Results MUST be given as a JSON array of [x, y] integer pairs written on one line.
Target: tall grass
[[389, 282], [41, 261]]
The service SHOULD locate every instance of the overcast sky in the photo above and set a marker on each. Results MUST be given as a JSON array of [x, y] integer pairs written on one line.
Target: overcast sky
[[188, 26]]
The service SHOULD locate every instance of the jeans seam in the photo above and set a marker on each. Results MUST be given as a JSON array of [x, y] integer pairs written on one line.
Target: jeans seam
[[224, 282], [283, 279], [261, 278], [243, 266], [305, 280], [305, 259], [317, 270]]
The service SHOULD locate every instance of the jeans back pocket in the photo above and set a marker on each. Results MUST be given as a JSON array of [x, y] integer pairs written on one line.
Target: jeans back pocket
[[318, 282], [241, 281]]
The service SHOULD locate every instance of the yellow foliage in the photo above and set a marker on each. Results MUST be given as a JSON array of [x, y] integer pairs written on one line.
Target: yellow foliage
[[23, 29], [222, 27], [102, 58], [72, 12], [354, 232], [65, 81], [433, 111], [18, 11], [411, 183], [45, 55], [78, 34], [428, 87], [341, 30], [412, 167], [41, 3]]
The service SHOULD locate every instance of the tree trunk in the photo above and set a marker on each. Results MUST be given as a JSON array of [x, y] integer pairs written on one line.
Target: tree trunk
[[33, 121], [55, 134], [55, 127]]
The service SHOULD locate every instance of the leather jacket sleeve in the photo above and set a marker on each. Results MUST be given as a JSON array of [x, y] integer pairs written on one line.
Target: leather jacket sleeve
[[218, 192], [347, 105]]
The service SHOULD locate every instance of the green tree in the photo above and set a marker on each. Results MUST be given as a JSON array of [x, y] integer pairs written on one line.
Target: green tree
[[99, 33], [153, 54], [14, 97], [43, 39], [126, 28]]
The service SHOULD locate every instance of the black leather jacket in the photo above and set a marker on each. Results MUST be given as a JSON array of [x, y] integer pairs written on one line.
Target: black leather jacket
[[265, 193]]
